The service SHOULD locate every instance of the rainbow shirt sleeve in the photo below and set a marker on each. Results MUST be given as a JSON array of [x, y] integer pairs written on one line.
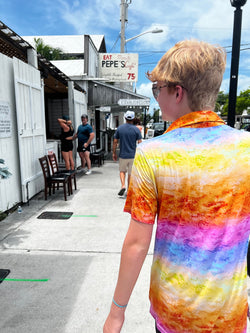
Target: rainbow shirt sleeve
[[195, 181]]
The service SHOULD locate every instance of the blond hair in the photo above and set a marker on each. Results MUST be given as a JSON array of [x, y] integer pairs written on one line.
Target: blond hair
[[196, 66]]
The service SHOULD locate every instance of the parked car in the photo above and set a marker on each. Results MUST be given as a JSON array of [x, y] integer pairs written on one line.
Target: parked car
[[246, 127], [159, 128]]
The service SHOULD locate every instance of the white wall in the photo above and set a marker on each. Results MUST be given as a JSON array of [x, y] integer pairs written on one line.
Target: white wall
[[92, 58], [10, 192]]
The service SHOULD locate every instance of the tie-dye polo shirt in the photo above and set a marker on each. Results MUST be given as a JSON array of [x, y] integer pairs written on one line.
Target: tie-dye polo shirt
[[195, 180]]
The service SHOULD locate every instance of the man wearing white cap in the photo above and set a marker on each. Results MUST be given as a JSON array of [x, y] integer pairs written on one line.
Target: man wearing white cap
[[128, 135]]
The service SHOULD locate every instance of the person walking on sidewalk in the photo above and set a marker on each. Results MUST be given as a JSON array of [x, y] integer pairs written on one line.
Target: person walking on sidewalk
[[194, 180], [85, 135], [128, 135]]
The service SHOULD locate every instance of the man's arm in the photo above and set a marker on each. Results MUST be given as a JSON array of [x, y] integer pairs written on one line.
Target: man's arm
[[74, 136], [140, 138], [115, 143], [91, 137], [134, 251]]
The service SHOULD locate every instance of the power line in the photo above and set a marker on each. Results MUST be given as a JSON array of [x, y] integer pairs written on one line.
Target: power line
[[247, 48], [118, 37], [240, 45], [151, 52]]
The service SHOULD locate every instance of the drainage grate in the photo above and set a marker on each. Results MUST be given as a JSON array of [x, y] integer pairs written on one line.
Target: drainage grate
[[55, 215], [3, 274]]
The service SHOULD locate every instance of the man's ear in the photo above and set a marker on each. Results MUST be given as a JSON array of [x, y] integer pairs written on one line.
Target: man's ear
[[179, 93]]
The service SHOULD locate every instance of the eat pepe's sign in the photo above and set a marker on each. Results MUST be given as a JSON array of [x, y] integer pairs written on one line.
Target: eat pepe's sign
[[119, 67]]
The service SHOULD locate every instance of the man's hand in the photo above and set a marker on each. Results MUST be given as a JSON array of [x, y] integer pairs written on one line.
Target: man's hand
[[114, 157], [74, 136]]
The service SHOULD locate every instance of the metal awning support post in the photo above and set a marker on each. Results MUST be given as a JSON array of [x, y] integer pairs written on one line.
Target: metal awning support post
[[235, 61], [145, 121]]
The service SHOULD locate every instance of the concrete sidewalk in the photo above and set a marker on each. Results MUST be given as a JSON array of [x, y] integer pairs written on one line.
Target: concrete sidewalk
[[79, 257]]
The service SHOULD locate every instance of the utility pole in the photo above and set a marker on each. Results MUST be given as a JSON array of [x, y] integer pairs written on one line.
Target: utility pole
[[123, 18]]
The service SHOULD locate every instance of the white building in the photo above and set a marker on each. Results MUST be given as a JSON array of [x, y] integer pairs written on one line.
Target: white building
[[33, 94], [84, 70]]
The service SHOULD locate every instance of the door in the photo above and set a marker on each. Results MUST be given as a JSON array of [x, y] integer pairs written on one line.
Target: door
[[78, 107], [30, 125]]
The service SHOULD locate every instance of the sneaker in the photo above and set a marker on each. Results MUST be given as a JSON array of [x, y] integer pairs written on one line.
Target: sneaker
[[80, 170], [121, 192], [88, 172]]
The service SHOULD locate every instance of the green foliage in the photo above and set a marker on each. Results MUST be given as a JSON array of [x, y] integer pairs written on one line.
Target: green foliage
[[4, 172], [49, 52], [242, 103], [222, 98], [148, 117], [156, 115]]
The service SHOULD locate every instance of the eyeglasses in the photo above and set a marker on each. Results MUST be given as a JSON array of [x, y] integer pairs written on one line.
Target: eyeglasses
[[157, 89]]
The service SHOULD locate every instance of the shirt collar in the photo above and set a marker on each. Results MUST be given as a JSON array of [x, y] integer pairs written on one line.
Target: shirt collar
[[197, 119]]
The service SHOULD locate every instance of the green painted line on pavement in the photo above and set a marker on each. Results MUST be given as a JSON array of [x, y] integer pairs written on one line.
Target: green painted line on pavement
[[84, 215], [30, 280]]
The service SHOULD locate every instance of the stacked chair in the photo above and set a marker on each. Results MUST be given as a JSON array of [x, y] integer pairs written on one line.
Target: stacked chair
[[56, 171], [54, 177], [50, 181]]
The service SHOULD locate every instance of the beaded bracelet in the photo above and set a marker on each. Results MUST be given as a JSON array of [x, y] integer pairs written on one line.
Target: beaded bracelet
[[119, 306]]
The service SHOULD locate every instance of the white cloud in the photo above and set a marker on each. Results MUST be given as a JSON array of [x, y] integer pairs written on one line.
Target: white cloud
[[243, 83], [152, 41], [90, 17], [225, 86], [76, 3], [210, 20], [215, 24], [145, 89]]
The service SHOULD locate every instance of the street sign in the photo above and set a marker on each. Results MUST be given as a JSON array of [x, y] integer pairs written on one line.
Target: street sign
[[134, 102], [104, 108]]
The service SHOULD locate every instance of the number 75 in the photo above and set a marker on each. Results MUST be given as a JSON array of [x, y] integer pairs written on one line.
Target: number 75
[[131, 76]]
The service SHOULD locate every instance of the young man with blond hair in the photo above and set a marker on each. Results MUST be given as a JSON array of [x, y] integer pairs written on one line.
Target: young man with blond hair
[[194, 181]]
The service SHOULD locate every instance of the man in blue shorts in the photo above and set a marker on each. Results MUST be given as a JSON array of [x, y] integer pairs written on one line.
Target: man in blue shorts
[[85, 135], [129, 135]]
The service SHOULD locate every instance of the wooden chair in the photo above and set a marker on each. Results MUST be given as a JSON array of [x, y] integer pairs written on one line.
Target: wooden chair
[[56, 171], [52, 180], [96, 155]]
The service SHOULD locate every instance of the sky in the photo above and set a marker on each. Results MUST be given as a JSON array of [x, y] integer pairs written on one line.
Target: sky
[[208, 20]]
